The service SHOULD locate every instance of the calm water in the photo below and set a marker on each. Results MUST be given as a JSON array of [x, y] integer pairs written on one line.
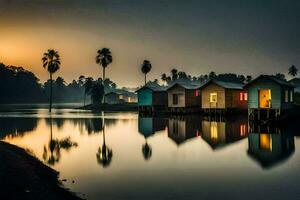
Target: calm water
[[124, 156]]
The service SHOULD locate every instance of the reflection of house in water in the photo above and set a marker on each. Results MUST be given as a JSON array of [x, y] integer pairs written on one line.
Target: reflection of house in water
[[270, 147], [182, 129], [219, 134], [149, 125]]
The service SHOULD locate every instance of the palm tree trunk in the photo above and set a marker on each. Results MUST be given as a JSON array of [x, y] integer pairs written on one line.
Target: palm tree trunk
[[84, 98], [50, 128], [103, 124], [103, 84], [50, 100], [145, 79]]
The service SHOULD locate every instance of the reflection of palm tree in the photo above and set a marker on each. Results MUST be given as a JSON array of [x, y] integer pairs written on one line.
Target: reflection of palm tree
[[51, 61], [104, 155], [55, 146], [147, 151]]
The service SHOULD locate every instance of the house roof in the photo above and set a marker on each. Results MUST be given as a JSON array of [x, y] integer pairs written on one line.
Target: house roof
[[225, 84], [121, 92], [185, 84], [272, 78], [153, 86]]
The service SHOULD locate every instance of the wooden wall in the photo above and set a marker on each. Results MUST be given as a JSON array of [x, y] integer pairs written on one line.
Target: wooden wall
[[276, 93], [191, 100], [213, 88], [145, 97], [160, 98], [233, 99], [181, 98]]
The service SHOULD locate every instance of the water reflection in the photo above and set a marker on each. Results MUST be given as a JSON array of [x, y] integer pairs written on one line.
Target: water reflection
[[104, 154], [270, 145], [160, 153], [221, 133], [148, 126], [52, 151], [181, 129], [16, 127]]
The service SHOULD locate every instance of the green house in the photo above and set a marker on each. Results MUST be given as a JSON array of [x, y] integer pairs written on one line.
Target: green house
[[148, 126], [270, 146], [152, 96], [270, 92]]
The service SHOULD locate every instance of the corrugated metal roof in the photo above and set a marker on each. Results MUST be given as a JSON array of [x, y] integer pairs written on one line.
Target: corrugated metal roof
[[272, 78], [154, 87], [189, 85], [225, 84]]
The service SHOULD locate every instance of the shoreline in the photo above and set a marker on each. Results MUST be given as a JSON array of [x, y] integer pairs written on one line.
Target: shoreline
[[25, 177]]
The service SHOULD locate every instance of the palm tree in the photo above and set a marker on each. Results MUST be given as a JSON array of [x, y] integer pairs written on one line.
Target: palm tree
[[146, 68], [293, 71], [97, 93], [164, 77], [174, 74], [51, 61], [104, 58], [248, 78], [88, 84], [212, 75]]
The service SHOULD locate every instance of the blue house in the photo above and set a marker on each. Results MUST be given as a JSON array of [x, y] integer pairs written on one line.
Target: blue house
[[270, 146], [269, 93], [152, 97]]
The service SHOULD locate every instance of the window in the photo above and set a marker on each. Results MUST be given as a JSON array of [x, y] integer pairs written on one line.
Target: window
[[246, 96], [291, 96], [286, 96], [175, 99], [213, 98], [242, 130], [175, 127], [214, 130], [197, 93], [265, 142], [243, 96]]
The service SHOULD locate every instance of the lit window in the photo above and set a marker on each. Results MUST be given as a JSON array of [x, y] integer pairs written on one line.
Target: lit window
[[214, 130], [246, 96], [197, 93], [265, 142], [242, 130], [241, 96], [213, 98], [286, 96], [291, 96]]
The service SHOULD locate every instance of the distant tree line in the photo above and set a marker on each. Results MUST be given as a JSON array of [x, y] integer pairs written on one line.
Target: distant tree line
[[175, 75], [18, 85]]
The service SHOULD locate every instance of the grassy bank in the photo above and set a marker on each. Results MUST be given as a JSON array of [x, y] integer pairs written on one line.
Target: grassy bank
[[25, 177]]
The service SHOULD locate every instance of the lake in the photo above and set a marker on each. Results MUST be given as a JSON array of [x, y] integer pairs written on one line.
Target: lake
[[127, 156]]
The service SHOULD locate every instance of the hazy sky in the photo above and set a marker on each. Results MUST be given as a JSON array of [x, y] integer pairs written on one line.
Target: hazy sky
[[249, 36]]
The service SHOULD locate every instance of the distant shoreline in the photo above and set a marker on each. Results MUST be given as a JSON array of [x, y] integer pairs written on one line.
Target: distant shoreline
[[25, 177], [125, 107]]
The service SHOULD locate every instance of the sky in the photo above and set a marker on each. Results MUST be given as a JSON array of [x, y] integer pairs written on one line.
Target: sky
[[234, 36]]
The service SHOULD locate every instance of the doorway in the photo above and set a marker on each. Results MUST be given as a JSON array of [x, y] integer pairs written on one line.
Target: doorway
[[265, 98]]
